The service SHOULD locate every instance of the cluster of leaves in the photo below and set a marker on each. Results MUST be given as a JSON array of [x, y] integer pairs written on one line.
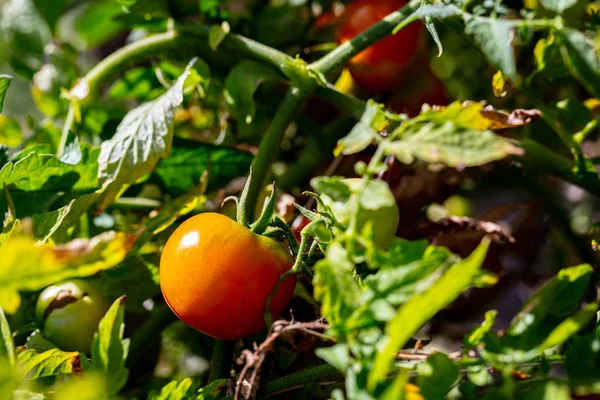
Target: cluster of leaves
[[92, 189]]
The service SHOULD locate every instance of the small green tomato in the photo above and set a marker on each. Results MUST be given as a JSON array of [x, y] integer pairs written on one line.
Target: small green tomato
[[385, 219], [69, 313]]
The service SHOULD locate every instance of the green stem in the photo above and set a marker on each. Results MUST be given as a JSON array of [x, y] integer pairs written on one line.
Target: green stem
[[346, 51], [269, 147], [65, 132], [221, 360], [242, 45], [322, 373], [292, 271], [136, 203], [589, 128]]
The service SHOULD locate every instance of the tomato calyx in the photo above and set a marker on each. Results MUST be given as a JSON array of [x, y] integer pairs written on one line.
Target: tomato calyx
[[265, 219]]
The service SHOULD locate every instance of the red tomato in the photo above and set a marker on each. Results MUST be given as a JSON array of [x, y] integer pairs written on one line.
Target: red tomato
[[427, 89], [216, 275], [380, 68]]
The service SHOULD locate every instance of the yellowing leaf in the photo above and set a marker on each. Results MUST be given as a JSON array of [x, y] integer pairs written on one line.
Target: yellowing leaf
[[27, 266]]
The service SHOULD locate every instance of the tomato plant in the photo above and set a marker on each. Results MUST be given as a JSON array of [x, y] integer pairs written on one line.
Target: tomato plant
[[381, 67], [227, 199]]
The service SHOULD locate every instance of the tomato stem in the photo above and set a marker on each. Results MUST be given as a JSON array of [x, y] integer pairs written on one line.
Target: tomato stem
[[306, 238], [346, 51], [221, 360]]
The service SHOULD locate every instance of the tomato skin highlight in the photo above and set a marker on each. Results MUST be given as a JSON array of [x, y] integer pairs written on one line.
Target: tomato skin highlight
[[216, 276], [381, 67]]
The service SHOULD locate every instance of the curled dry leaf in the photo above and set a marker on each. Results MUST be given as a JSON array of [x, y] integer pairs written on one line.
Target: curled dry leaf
[[502, 120], [451, 225]]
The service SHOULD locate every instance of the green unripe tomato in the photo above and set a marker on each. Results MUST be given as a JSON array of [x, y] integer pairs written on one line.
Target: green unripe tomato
[[69, 313], [385, 219]]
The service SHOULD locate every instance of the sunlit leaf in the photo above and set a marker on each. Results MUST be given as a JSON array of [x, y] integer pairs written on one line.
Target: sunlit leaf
[[142, 139], [241, 84], [34, 365], [419, 309], [579, 55], [109, 349], [494, 36], [570, 326], [176, 390], [7, 346], [363, 134], [27, 266]]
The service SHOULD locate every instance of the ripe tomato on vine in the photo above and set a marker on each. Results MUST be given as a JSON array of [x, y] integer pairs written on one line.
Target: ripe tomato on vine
[[217, 275], [381, 67]]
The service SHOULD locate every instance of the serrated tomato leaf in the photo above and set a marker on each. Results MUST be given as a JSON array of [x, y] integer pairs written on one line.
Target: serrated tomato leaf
[[34, 365], [143, 137]]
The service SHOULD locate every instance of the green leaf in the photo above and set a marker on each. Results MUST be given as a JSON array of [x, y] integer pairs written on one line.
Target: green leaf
[[213, 391], [559, 297], [400, 275], [10, 132], [26, 35], [51, 11], [451, 145], [176, 390], [241, 84], [72, 153], [547, 390], [7, 346], [36, 341], [436, 376], [56, 224], [337, 355], [477, 336], [4, 84], [579, 55], [27, 266], [109, 349], [142, 139], [364, 132], [90, 24], [558, 6], [34, 365], [189, 160], [421, 308], [335, 287], [45, 171], [583, 360], [494, 36], [217, 34], [570, 326]]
